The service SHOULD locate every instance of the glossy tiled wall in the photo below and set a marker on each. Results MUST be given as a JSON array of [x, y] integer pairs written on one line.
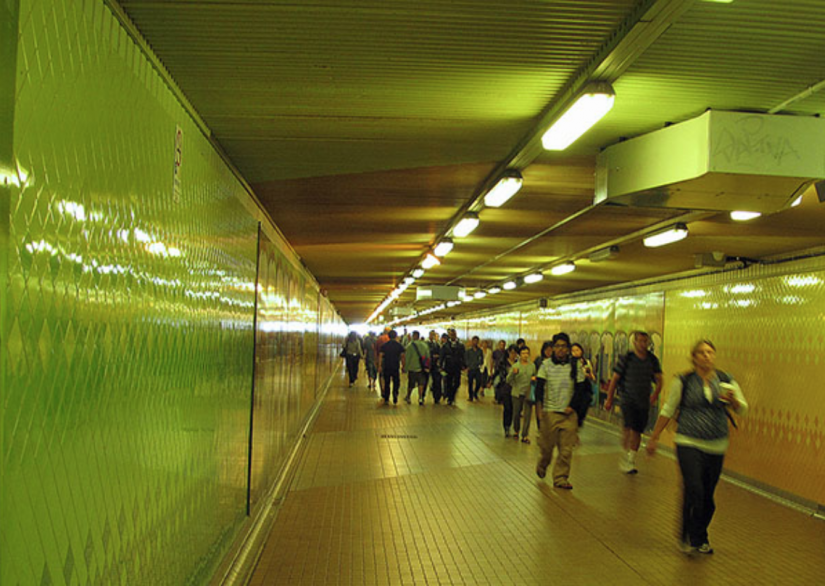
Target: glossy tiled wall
[[128, 321], [769, 327], [769, 331], [294, 354]]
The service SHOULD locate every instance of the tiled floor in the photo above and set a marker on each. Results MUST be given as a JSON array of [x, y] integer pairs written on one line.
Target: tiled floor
[[436, 495]]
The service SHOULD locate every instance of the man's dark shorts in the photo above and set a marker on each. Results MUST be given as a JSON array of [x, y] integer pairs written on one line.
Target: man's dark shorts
[[417, 379], [635, 416]]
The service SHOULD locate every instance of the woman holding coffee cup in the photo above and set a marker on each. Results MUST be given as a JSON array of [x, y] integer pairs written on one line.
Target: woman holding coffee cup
[[702, 397]]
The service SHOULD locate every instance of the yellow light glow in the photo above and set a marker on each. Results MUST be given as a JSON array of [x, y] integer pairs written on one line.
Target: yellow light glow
[[467, 224], [430, 261], [743, 216], [674, 234], [562, 269]]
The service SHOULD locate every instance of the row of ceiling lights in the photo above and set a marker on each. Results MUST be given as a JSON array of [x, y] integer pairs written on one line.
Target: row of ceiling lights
[[662, 237], [659, 238], [589, 108], [585, 112]]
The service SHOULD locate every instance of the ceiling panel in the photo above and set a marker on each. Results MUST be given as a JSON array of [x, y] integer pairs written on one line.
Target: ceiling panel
[[366, 127]]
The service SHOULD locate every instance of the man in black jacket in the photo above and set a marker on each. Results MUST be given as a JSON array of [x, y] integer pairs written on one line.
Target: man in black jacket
[[452, 363]]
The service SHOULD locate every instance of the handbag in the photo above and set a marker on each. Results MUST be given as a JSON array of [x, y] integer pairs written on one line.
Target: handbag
[[503, 390], [343, 353]]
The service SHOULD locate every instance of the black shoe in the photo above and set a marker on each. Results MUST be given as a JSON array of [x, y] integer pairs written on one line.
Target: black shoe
[[395, 400], [421, 403]]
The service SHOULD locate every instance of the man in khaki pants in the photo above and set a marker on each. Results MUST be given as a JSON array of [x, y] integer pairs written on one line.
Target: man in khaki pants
[[559, 422]]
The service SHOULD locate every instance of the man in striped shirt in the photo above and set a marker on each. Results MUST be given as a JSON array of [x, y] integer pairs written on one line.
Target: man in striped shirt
[[559, 422]]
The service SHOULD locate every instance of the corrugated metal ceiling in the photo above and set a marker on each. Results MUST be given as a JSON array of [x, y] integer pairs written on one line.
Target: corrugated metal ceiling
[[365, 126]]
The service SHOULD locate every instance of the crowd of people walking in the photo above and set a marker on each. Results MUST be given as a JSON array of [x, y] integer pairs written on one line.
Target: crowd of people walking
[[557, 389]]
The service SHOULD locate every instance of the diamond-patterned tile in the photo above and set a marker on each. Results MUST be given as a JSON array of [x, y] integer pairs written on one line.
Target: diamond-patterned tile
[[128, 335]]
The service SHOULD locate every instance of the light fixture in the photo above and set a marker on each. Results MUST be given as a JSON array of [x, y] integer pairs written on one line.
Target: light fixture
[[480, 294], [494, 290], [667, 236], [444, 247], [430, 261], [562, 269], [590, 107], [603, 254], [418, 273], [509, 285], [533, 278], [467, 224], [742, 216], [409, 280], [509, 185]]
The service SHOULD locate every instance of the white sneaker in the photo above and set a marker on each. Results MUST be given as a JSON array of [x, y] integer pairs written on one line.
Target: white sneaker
[[626, 466]]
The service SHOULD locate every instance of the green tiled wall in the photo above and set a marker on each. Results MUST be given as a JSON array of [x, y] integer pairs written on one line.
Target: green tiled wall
[[128, 321]]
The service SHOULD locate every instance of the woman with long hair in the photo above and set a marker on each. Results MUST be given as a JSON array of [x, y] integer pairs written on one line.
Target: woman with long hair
[[503, 390], [702, 397], [583, 388]]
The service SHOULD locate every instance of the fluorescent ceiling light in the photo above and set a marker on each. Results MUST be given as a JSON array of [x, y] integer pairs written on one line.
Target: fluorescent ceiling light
[[533, 278], [467, 224], [507, 187], [409, 280], [480, 294], [667, 236], [742, 216], [452, 303], [418, 273], [444, 247], [796, 202], [494, 290], [509, 285], [604, 254], [594, 103], [562, 269], [430, 261]]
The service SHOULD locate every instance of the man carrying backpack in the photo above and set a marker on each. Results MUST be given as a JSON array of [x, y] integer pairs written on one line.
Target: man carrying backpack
[[634, 375]]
